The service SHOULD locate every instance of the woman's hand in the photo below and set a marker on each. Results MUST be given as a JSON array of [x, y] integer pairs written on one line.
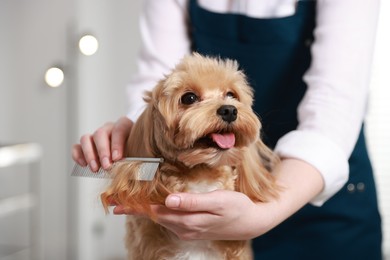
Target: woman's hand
[[217, 215], [229, 215], [104, 146]]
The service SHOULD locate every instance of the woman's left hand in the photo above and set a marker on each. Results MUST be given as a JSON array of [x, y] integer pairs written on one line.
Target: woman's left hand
[[217, 215]]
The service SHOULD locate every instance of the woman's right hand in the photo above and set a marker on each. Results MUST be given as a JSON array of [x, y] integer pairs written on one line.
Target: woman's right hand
[[104, 146]]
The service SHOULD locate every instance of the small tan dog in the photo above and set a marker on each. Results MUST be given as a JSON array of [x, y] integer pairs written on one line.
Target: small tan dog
[[199, 119]]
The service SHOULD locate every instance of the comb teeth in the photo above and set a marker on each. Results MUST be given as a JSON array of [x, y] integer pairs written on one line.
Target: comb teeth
[[146, 172], [81, 171]]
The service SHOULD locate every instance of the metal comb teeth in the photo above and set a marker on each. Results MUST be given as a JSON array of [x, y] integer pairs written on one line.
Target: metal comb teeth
[[146, 171]]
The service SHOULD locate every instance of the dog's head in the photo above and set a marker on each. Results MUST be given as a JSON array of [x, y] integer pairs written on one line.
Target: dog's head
[[199, 114]]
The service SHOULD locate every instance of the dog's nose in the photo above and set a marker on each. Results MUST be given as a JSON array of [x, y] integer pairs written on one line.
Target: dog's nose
[[228, 113]]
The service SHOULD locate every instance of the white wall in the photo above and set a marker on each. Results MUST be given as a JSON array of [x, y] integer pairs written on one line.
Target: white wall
[[34, 36], [32, 39]]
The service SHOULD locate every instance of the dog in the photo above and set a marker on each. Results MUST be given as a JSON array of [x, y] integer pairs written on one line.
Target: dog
[[199, 119]]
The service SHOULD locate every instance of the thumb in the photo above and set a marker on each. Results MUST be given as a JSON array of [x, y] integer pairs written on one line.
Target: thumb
[[194, 202]]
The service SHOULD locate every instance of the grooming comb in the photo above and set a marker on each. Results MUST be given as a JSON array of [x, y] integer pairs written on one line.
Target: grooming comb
[[146, 172]]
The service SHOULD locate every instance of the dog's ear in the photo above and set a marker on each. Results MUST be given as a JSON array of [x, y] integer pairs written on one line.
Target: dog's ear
[[254, 173], [140, 141]]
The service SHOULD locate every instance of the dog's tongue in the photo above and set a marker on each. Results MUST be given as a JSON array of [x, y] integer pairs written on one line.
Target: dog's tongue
[[224, 141]]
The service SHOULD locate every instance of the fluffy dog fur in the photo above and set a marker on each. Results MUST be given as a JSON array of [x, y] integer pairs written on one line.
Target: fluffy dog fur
[[199, 119]]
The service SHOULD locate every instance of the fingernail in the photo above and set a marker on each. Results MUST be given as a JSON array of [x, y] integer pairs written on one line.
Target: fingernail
[[173, 201], [93, 165], [82, 162], [115, 155], [105, 163]]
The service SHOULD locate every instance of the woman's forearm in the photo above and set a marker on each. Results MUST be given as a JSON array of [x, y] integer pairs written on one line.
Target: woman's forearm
[[300, 182]]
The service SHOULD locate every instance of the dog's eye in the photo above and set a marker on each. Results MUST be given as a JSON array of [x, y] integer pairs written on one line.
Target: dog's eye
[[189, 98], [231, 94]]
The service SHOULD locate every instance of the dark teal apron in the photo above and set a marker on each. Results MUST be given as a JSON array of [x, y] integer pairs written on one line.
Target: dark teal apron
[[275, 53]]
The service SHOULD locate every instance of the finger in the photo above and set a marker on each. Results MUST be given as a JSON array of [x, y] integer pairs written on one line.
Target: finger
[[89, 151], [120, 133], [121, 210], [78, 156], [102, 139], [210, 202]]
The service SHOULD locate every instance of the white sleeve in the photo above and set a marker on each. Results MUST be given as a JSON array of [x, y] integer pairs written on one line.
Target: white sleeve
[[332, 111], [164, 41]]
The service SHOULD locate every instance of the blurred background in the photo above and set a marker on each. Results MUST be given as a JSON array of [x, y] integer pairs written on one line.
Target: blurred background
[[56, 84]]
